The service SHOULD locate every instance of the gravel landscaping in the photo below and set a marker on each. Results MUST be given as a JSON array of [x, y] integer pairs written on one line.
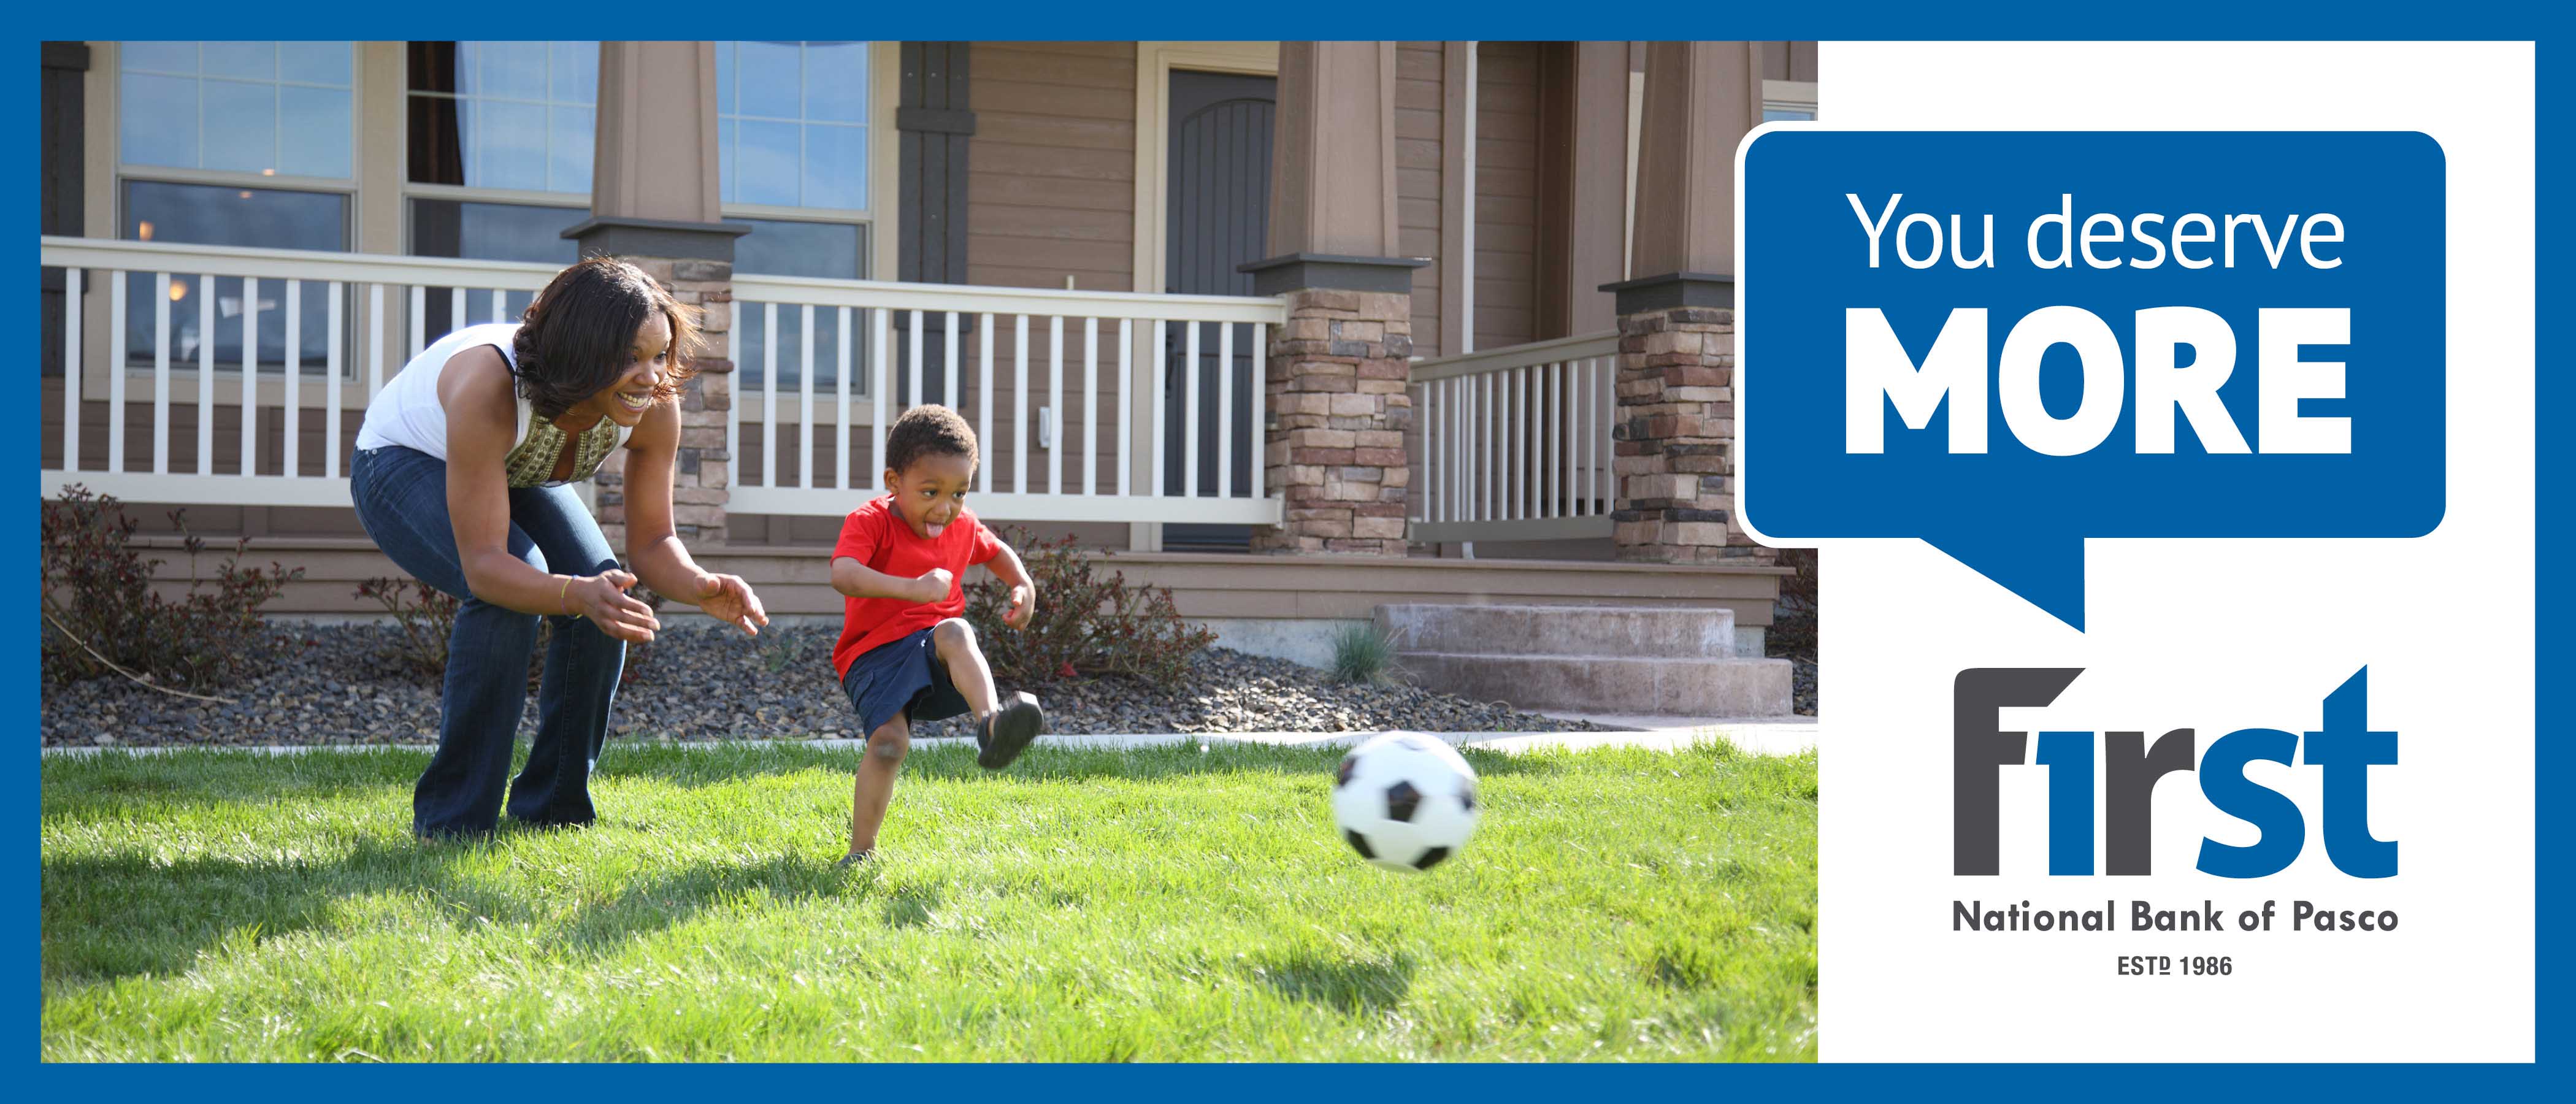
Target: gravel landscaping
[[338, 684], [1803, 685]]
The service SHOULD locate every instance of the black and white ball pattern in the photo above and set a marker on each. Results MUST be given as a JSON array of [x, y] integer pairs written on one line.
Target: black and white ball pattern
[[1405, 801]]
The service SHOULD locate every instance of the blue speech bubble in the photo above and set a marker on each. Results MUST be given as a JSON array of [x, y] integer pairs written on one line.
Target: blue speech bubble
[[1824, 338]]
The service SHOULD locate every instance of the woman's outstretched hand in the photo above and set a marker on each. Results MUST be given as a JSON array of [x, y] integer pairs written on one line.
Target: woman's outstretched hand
[[602, 598], [727, 598]]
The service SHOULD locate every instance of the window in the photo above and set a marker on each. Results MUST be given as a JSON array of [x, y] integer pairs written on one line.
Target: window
[[517, 116], [259, 108], [792, 133], [201, 214], [493, 231], [1793, 100], [777, 247], [781, 247], [792, 124], [487, 232], [499, 139], [206, 134]]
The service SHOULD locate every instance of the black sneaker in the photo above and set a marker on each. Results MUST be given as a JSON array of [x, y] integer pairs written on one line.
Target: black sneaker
[[854, 858], [1000, 737]]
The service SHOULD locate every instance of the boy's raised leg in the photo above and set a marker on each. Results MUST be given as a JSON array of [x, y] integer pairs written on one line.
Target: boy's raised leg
[[954, 640], [874, 789], [1002, 728]]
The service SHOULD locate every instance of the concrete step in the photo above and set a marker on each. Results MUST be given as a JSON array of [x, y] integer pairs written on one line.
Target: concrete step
[[1689, 686], [1662, 632]]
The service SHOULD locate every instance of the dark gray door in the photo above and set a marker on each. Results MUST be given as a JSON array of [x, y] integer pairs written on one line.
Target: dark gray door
[[1217, 212]]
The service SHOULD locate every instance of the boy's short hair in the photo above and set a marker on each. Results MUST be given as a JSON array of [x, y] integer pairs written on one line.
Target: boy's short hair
[[925, 429]]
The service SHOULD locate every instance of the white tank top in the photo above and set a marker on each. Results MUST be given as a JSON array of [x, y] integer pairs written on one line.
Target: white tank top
[[407, 411]]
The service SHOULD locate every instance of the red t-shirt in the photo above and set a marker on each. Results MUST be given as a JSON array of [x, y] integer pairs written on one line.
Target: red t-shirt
[[876, 536]]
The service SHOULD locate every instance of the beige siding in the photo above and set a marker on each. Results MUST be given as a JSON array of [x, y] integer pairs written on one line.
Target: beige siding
[[1417, 181], [1789, 61], [797, 581], [1050, 192], [1506, 260], [1051, 170]]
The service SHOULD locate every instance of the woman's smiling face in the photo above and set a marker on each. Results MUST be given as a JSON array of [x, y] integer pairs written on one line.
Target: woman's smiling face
[[649, 361]]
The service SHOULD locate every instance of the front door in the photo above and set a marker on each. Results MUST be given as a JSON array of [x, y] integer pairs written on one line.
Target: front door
[[1216, 216]]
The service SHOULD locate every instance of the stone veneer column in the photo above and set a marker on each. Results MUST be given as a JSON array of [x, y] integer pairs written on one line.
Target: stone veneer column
[[703, 475], [1675, 438], [1339, 412], [654, 204], [1675, 434]]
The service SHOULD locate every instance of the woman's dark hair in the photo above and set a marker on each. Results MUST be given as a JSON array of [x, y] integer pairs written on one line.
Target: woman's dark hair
[[928, 428], [578, 336]]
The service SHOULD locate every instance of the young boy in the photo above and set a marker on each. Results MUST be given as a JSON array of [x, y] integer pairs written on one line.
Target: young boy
[[905, 654]]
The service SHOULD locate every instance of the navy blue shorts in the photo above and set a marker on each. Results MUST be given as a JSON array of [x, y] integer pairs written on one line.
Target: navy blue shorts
[[901, 678]]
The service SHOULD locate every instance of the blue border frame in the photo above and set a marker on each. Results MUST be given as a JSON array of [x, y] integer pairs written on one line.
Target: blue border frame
[[1854, 19]]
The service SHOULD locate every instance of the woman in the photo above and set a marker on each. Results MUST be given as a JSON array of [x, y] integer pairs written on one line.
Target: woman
[[463, 477]]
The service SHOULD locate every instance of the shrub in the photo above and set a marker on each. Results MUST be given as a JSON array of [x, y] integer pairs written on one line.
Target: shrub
[[1794, 615], [102, 613], [1362, 654], [427, 617], [1085, 624]]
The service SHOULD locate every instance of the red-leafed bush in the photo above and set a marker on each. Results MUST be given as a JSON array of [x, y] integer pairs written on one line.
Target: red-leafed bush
[[101, 613], [1085, 624]]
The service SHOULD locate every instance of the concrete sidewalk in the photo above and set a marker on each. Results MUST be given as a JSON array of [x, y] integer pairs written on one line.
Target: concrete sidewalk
[[1764, 737], [1767, 735]]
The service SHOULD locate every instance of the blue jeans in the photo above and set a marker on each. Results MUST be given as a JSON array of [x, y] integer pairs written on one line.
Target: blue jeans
[[401, 495]]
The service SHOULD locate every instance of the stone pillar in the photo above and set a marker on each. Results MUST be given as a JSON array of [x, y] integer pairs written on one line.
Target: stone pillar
[[654, 204], [702, 477], [1675, 431], [1339, 411], [1336, 393], [1675, 437]]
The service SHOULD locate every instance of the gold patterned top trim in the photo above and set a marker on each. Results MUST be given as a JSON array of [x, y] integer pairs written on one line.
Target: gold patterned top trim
[[532, 463]]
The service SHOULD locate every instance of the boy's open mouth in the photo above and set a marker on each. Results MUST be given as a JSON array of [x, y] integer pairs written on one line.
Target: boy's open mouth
[[932, 529]]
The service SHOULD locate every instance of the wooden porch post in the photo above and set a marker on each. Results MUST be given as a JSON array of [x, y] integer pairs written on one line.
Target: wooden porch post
[[1675, 431], [1337, 370], [1597, 184], [654, 202]]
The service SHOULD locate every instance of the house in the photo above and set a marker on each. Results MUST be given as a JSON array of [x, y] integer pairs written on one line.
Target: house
[[1297, 328]]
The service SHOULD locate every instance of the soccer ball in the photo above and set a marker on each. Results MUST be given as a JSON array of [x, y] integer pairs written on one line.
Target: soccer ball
[[1405, 801]]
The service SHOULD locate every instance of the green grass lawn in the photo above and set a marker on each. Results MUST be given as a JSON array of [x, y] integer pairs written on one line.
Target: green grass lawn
[[1084, 906]]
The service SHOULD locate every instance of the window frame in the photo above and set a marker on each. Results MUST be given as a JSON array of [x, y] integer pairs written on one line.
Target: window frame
[[107, 220], [1779, 95], [877, 250], [575, 205], [406, 190], [113, 64], [884, 152], [472, 193]]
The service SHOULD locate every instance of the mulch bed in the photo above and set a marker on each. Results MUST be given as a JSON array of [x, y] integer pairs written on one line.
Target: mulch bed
[[340, 684]]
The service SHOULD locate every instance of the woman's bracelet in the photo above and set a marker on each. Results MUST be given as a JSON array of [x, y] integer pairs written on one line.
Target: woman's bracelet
[[563, 596]]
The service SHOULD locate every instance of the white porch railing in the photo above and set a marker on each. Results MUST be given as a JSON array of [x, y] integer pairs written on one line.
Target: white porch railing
[[1013, 354], [226, 323], [208, 348], [1514, 443]]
